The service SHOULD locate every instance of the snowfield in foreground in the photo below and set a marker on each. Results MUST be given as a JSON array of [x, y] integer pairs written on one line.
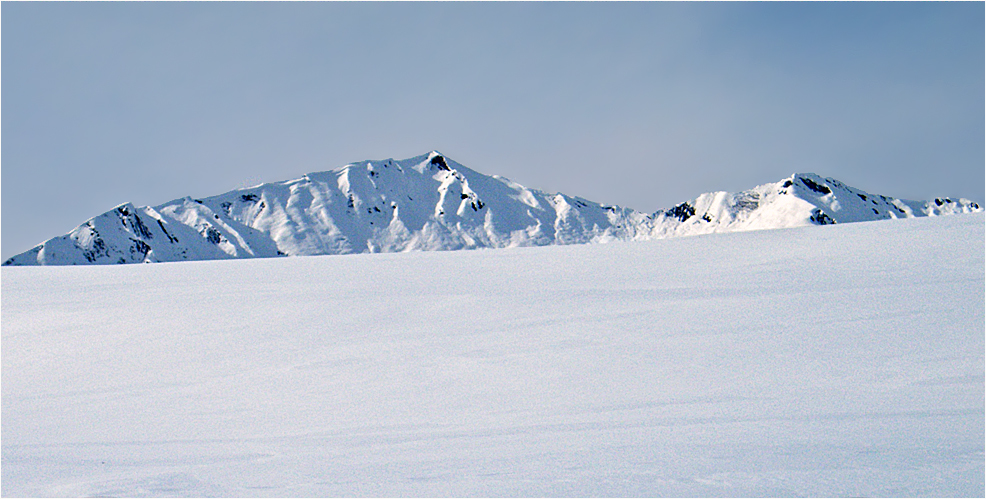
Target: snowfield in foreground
[[837, 361]]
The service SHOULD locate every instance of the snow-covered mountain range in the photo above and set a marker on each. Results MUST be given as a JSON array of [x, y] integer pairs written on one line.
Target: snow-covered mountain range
[[430, 202]]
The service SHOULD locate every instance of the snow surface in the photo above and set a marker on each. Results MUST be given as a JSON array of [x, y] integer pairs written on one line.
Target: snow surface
[[430, 202], [823, 361]]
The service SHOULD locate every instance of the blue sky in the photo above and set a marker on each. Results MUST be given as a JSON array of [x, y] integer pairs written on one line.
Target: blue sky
[[638, 104]]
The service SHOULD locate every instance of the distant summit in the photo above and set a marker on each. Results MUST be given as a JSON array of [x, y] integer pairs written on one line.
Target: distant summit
[[430, 203]]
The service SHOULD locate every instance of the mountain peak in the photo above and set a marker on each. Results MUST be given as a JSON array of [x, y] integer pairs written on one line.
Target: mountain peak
[[437, 160]]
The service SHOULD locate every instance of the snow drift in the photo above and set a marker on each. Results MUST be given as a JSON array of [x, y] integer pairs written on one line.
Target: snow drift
[[433, 203], [836, 361]]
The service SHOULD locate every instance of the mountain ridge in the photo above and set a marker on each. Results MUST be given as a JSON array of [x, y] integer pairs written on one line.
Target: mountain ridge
[[431, 202]]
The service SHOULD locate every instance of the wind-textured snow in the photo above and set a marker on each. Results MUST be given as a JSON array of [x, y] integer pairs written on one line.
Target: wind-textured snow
[[433, 203], [822, 361]]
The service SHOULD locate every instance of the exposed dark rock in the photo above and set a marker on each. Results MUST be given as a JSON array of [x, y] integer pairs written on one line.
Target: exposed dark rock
[[747, 202], [98, 249], [820, 218], [136, 224], [166, 233], [682, 212], [212, 235], [139, 249], [821, 189], [440, 163]]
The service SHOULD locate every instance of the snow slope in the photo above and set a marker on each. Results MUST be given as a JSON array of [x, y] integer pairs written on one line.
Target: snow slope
[[823, 361], [433, 203]]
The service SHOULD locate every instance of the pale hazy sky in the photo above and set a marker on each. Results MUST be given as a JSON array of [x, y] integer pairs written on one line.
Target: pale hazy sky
[[638, 104]]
